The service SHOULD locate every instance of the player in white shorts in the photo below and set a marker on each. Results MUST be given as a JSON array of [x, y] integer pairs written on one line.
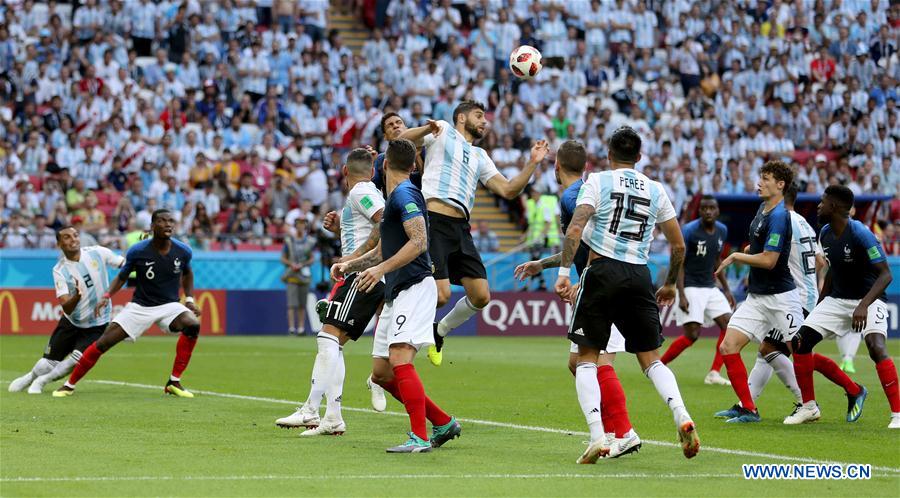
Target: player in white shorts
[[410, 295], [80, 278], [163, 265], [854, 302], [699, 301], [772, 307], [571, 159]]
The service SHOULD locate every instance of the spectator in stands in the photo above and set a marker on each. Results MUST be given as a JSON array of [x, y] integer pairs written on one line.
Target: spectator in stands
[[297, 256], [485, 239]]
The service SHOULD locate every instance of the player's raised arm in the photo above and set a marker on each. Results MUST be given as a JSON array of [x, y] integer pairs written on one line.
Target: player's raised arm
[[672, 232], [417, 135], [510, 188], [768, 258]]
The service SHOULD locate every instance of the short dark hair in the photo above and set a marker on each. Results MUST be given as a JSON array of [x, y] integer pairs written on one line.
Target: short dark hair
[[387, 116], [625, 145], [708, 197], [359, 160], [159, 212], [64, 227], [780, 171], [790, 193], [466, 106], [401, 155], [842, 194], [571, 156]]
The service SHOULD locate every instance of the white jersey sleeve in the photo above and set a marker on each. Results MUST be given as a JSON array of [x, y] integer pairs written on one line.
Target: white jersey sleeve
[[109, 257], [59, 281], [453, 168], [665, 210], [431, 138], [486, 169], [363, 201]]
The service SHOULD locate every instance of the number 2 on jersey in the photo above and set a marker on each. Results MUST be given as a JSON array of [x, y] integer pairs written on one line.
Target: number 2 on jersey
[[630, 214]]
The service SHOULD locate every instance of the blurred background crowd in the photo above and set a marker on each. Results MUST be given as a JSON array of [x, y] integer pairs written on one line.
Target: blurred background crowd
[[236, 115]]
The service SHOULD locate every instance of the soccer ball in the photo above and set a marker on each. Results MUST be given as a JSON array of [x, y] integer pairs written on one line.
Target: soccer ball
[[525, 62]]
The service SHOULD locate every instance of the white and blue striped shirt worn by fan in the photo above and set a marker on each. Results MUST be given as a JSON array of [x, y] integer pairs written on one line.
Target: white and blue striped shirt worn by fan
[[453, 168], [802, 261], [627, 206], [90, 274]]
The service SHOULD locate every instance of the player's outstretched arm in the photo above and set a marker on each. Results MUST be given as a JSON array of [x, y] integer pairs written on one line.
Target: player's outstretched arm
[[417, 135], [114, 287], [533, 268], [672, 232], [509, 189]]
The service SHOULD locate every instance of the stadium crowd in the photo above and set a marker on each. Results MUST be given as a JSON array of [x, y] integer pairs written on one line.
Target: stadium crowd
[[236, 114]]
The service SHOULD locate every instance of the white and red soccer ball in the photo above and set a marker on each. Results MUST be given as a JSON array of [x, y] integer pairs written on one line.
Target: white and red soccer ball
[[525, 62]]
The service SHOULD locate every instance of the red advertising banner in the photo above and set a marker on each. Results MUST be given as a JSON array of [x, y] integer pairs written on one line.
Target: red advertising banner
[[36, 311], [543, 313]]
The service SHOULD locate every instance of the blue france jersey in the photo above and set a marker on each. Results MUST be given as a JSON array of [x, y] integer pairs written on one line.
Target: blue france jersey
[[89, 274], [771, 232], [627, 205], [405, 203], [158, 276], [567, 204], [378, 179], [703, 250], [852, 257]]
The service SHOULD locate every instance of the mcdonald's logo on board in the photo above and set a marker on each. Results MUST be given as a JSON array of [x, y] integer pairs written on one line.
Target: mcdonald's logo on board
[[212, 317], [12, 313]]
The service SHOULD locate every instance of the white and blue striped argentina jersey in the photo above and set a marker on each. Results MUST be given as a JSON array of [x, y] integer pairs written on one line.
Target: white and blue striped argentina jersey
[[802, 260], [627, 206], [90, 273], [363, 201], [453, 168]]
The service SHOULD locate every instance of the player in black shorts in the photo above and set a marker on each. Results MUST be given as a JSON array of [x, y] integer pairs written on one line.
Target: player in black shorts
[[79, 277], [347, 310]]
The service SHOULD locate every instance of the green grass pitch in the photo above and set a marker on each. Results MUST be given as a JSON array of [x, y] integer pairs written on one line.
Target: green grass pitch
[[522, 428]]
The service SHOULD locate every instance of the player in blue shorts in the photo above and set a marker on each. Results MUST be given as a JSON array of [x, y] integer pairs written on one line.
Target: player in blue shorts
[[410, 294], [163, 264]]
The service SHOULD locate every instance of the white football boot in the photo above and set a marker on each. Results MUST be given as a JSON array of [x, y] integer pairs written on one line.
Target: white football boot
[[805, 413], [302, 417], [379, 402]]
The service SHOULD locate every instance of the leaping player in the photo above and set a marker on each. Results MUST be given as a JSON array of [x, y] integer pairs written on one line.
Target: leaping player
[[615, 214], [453, 168], [349, 311], [405, 324], [854, 302], [163, 264], [699, 300], [570, 162], [80, 278]]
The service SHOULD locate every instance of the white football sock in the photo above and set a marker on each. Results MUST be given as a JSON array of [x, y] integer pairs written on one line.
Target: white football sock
[[588, 390], [664, 381], [462, 311], [848, 345], [43, 366], [62, 368], [784, 369], [322, 369], [336, 387], [759, 376]]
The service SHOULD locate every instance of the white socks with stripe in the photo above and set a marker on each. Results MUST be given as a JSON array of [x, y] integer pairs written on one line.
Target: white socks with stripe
[[335, 386], [462, 311], [323, 368], [759, 376], [784, 369], [588, 390], [664, 381], [43, 367], [62, 368]]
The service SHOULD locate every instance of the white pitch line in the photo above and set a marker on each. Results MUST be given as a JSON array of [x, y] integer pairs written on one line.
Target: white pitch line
[[366, 477], [506, 425]]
